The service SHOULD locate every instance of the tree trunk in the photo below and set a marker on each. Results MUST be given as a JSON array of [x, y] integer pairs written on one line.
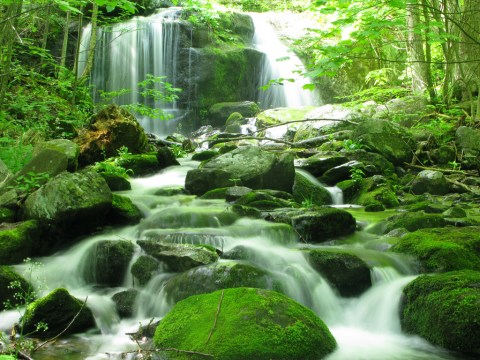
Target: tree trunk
[[93, 42], [416, 55], [8, 34], [65, 40]]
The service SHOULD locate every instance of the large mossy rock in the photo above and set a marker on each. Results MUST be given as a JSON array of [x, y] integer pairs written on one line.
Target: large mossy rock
[[445, 310], [281, 115], [139, 164], [306, 189], [414, 221], [248, 166], [221, 275], [368, 192], [112, 128], [19, 241], [317, 224], [265, 200], [144, 268], [444, 249], [219, 113], [432, 182], [107, 262], [124, 211], [64, 146], [125, 302], [385, 138], [8, 293], [179, 257], [71, 203], [249, 324], [57, 310], [349, 274], [319, 163], [467, 140]]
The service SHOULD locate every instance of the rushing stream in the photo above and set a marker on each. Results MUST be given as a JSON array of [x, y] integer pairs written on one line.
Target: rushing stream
[[366, 327]]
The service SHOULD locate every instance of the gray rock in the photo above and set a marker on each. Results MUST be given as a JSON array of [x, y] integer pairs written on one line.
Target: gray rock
[[236, 192], [125, 301], [467, 140], [430, 181], [67, 147], [179, 257], [19, 241]]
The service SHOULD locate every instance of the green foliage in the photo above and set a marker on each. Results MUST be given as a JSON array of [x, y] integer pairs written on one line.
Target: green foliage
[[155, 92], [178, 151], [378, 94], [14, 153], [357, 174], [350, 144], [31, 181]]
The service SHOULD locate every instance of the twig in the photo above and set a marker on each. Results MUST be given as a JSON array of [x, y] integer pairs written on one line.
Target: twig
[[21, 355], [63, 331], [170, 349], [216, 317], [463, 186]]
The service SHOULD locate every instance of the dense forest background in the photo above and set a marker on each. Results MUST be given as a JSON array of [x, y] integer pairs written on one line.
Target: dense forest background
[[358, 51]]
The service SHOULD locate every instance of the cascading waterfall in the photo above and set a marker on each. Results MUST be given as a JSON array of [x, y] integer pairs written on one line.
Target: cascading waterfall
[[366, 327], [280, 63], [127, 52]]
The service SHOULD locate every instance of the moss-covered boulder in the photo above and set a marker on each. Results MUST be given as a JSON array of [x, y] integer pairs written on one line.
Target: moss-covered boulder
[[234, 123], [432, 182], [250, 324], [265, 200], [221, 275], [444, 249], [124, 211], [445, 310], [306, 189], [204, 155], [57, 310], [179, 257], [281, 115], [166, 157], [319, 163], [248, 166], [112, 128], [349, 274], [116, 182], [125, 302], [317, 224], [67, 147], [341, 172], [414, 221], [144, 268], [467, 140], [219, 113], [369, 192], [8, 277], [139, 164], [107, 262], [386, 138], [72, 203], [7, 215], [19, 241]]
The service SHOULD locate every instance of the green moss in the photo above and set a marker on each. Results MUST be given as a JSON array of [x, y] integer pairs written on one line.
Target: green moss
[[141, 164], [264, 200], [7, 277], [215, 194], [204, 155], [251, 324], [415, 221], [18, 241], [6, 215], [443, 249], [308, 192], [445, 310], [123, 211], [144, 268]]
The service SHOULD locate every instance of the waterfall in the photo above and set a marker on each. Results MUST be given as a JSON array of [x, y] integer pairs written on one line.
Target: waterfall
[[126, 52], [279, 63]]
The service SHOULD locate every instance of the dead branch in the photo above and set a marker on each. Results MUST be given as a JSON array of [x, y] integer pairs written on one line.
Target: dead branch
[[303, 120], [216, 317], [446, 171], [63, 331], [464, 186]]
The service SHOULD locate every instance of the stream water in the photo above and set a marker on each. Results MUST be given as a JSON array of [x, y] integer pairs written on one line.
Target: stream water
[[366, 327]]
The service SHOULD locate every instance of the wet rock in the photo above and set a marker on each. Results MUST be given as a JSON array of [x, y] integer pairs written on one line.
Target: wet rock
[[247, 166], [432, 182], [467, 140], [236, 192], [428, 206], [124, 211], [71, 203], [144, 268], [239, 252], [455, 212], [385, 138], [308, 191], [8, 276], [414, 221], [341, 172], [19, 241], [318, 164], [125, 301], [443, 249], [349, 274], [139, 164], [220, 112], [166, 157], [108, 262], [316, 225], [64, 146], [443, 309], [57, 310], [179, 257], [204, 155], [112, 128], [234, 123], [116, 182], [281, 115], [368, 192], [281, 328], [265, 200], [222, 275]]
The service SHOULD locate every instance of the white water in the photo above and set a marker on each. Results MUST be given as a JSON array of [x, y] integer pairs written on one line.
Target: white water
[[366, 327], [280, 63]]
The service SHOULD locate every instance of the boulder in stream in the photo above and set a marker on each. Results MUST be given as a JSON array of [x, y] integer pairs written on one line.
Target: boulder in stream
[[220, 112], [443, 249], [221, 275], [124, 211], [19, 241], [9, 277], [308, 191], [247, 324], [179, 257], [125, 302], [445, 310], [70, 203], [57, 310], [349, 274], [64, 146], [144, 268], [247, 166]]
